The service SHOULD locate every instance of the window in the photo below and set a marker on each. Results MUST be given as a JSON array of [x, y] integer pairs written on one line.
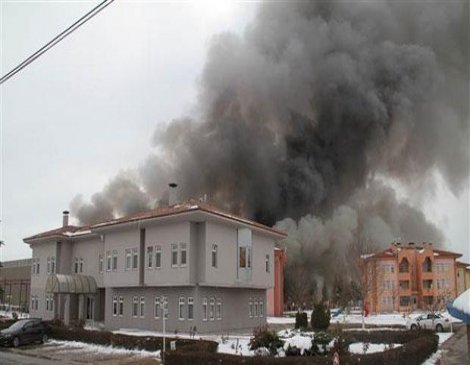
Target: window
[[183, 254], [53, 265], [128, 259], [190, 308], [157, 307], [34, 302], [404, 284], [135, 258], [261, 308], [387, 301], [211, 308], [121, 306], [149, 257], [165, 306], [404, 301], [250, 308], [255, 312], [268, 263], [48, 265], [427, 265], [181, 308], [100, 263], [427, 284], [174, 255], [428, 300], [135, 306], [204, 309], [242, 257], [404, 265], [248, 257], [142, 307], [75, 268], [81, 265], [115, 306], [214, 255], [47, 302], [115, 260], [218, 309], [108, 260], [158, 257], [37, 266]]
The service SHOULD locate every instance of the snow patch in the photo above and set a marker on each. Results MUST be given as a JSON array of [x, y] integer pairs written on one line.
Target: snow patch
[[370, 348]]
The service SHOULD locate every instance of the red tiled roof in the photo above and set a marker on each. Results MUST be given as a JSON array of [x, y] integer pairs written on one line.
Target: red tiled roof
[[447, 253], [191, 206]]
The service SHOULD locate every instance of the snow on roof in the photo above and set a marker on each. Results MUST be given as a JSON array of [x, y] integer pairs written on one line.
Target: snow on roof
[[462, 302]]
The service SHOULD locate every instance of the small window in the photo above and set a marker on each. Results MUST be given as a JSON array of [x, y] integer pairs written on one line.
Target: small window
[[157, 308], [37, 266], [121, 306], [212, 309], [174, 255], [255, 312], [261, 308], [242, 257], [158, 257], [218, 309], [108, 261], [115, 260], [135, 306], [47, 302], [48, 265], [181, 308], [190, 308], [183, 254], [149, 257], [128, 259], [75, 269], [248, 257], [268, 263], [204, 309], [135, 258], [100, 263], [115, 306], [165, 306], [214, 255], [142, 307], [250, 308]]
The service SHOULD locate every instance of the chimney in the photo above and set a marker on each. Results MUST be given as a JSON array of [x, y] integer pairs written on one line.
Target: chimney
[[173, 194], [65, 218]]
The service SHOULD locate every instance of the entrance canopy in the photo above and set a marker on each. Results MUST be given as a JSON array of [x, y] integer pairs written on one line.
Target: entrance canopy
[[70, 284]]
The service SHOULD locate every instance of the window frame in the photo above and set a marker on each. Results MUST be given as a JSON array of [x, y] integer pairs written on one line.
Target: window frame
[[142, 307], [190, 313], [211, 308], [135, 306], [128, 253], [158, 257], [100, 263], [157, 307], [135, 258], [114, 260], [181, 305], [109, 261], [121, 306], [218, 309], [149, 255], [214, 255], [268, 263], [204, 309], [115, 306], [183, 248], [174, 255]]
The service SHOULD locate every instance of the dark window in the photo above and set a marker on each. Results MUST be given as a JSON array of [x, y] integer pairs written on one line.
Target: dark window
[[404, 301], [404, 265], [427, 265]]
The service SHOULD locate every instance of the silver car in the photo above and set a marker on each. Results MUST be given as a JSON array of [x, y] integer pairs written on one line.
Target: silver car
[[429, 321]]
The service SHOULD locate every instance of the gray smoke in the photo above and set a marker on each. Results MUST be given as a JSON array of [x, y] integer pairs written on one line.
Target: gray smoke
[[298, 116]]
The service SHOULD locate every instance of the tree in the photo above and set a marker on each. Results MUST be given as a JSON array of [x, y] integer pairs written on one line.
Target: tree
[[320, 320]]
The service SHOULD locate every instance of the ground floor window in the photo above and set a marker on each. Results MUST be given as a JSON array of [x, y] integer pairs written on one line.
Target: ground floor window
[[181, 304], [135, 306], [190, 308], [404, 301], [250, 308], [142, 307], [255, 311], [121, 306], [261, 308], [204, 309], [212, 309], [34, 302], [218, 310], [115, 306]]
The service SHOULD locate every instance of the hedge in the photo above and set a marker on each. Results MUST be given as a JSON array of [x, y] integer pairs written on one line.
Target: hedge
[[148, 343], [416, 348]]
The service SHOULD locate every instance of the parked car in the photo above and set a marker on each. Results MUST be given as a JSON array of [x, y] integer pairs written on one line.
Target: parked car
[[24, 331], [428, 321]]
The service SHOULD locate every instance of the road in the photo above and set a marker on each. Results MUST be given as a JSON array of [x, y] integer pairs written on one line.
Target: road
[[15, 357]]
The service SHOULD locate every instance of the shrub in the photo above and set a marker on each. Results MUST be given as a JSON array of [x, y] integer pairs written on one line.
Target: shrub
[[14, 315], [301, 320], [319, 342], [320, 317], [263, 337]]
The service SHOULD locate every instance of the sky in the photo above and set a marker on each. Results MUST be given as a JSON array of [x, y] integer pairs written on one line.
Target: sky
[[87, 109]]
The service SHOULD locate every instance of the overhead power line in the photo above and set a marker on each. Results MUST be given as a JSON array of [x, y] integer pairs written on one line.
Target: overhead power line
[[56, 39]]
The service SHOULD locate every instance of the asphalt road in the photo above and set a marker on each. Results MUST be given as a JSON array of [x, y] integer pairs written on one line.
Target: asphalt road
[[9, 357]]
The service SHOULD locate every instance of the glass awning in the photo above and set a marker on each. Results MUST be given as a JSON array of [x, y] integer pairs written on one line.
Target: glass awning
[[70, 284]]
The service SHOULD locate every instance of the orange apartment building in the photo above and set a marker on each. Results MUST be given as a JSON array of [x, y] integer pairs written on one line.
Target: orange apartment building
[[408, 277]]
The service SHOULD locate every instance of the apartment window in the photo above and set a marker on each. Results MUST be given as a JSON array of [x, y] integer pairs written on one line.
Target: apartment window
[[37, 266], [34, 302], [52, 265], [268, 263], [128, 259], [135, 258], [142, 307], [255, 311], [242, 257], [404, 301], [135, 306], [190, 308], [115, 260], [261, 308], [108, 260], [248, 257], [204, 309], [149, 257], [121, 306], [427, 284], [427, 265], [157, 307], [81, 265], [387, 301], [115, 306], [218, 309], [174, 255], [404, 284], [250, 308], [158, 257], [48, 265], [211, 308], [100, 263], [165, 306], [181, 304], [47, 302], [183, 248], [214, 255], [404, 265]]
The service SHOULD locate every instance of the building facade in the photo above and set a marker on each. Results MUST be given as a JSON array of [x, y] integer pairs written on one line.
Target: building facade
[[408, 277], [276, 294], [463, 277], [209, 269], [15, 281]]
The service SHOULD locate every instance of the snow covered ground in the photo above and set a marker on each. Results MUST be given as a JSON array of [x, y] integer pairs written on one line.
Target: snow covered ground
[[9, 314], [369, 348]]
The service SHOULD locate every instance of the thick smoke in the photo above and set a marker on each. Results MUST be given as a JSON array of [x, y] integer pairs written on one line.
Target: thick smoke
[[299, 115]]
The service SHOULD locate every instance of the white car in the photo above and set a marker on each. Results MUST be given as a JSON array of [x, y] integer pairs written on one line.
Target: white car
[[432, 321]]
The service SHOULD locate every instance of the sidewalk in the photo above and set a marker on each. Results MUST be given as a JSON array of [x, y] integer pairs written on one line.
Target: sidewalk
[[455, 349]]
